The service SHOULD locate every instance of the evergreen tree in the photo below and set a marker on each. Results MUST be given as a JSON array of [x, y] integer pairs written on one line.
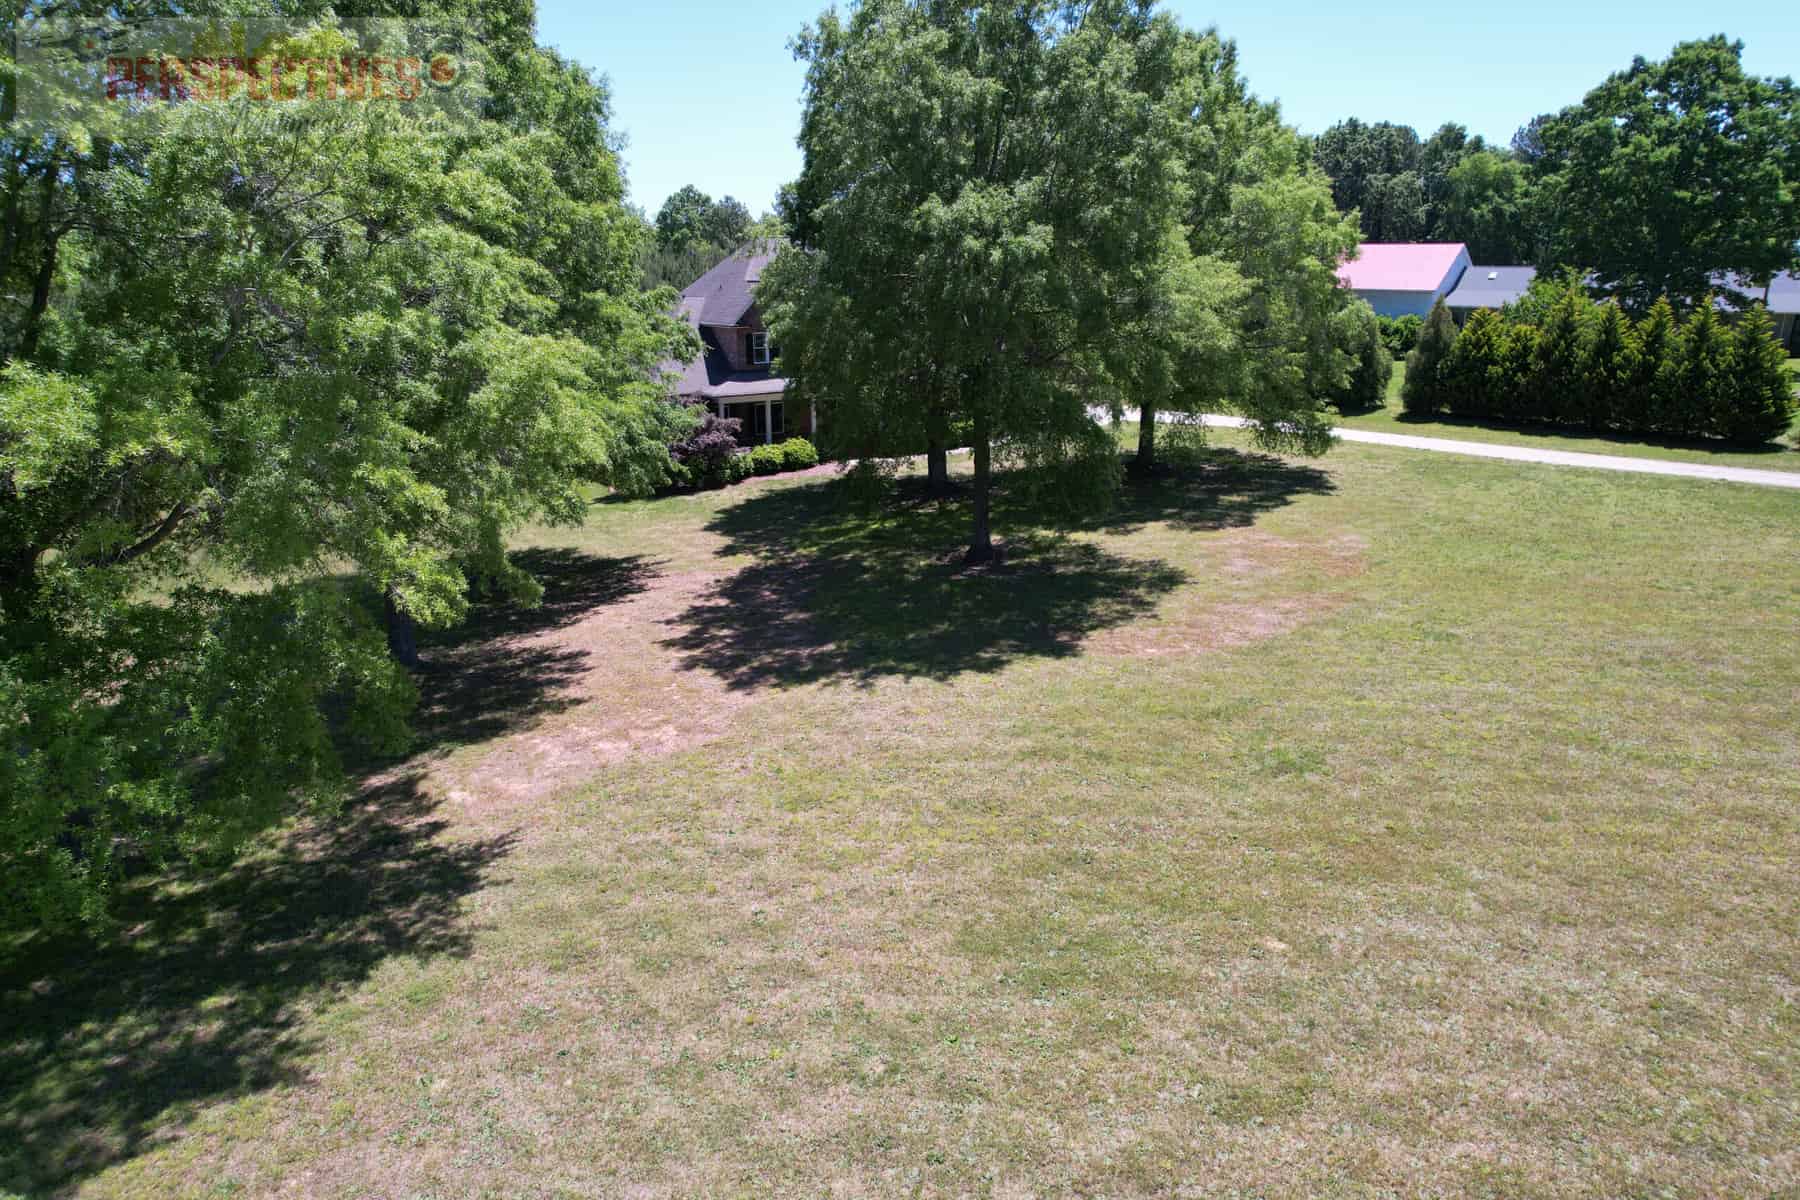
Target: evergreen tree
[[1653, 393], [1423, 392], [1609, 369], [1512, 387], [1757, 403], [1556, 393], [1356, 331], [1704, 360], [1474, 364]]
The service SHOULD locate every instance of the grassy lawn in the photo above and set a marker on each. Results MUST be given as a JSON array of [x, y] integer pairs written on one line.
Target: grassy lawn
[[1390, 419], [1393, 825]]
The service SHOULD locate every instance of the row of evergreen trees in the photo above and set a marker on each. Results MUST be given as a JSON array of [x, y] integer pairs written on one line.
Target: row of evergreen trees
[[1560, 358]]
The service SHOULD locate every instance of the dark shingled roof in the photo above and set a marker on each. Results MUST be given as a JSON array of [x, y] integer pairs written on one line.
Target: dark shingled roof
[[1784, 290], [726, 293], [1490, 287], [722, 298]]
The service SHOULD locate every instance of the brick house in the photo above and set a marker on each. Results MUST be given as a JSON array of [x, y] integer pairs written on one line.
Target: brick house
[[737, 374]]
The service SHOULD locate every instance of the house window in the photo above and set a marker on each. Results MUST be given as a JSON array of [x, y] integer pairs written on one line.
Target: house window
[[761, 352]]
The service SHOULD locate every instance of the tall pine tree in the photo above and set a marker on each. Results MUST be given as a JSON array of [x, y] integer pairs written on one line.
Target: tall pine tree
[[1423, 392]]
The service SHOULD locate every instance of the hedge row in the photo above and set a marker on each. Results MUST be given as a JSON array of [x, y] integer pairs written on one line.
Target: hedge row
[[709, 456], [1400, 334], [1587, 365], [735, 465]]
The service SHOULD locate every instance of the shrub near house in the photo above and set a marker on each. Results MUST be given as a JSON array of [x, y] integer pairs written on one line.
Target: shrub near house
[[1575, 363], [709, 456], [1400, 334]]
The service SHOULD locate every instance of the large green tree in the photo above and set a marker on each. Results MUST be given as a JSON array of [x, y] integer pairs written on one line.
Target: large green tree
[[690, 217], [1241, 316], [982, 186], [1376, 170], [338, 338], [1450, 187], [1671, 171], [1486, 203]]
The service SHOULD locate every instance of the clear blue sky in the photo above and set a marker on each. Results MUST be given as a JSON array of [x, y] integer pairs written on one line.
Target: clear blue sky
[[707, 92]]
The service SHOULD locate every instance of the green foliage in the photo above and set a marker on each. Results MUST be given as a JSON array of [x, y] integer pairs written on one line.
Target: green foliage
[[1486, 203], [1449, 188], [1701, 361], [1400, 334], [1564, 360], [798, 454], [397, 338], [958, 256], [1655, 394], [1609, 369], [1558, 358], [1464, 378], [1423, 392], [738, 467], [693, 233], [1240, 312], [666, 267], [690, 218], [1757, 403], [766, 460], [1671, 171], [1359, 335], [1376, 171]]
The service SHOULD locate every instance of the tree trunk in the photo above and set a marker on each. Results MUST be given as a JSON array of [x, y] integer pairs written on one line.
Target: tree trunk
[[40, 300], [1146, 451], [40, 288], [937, 453], [981, 543], [402, 633], [15, 184], [18, 578]]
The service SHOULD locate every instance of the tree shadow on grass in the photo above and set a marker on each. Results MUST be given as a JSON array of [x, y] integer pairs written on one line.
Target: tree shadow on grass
[[110, 1048], [484, 678], [835, 593], [1209, 490]]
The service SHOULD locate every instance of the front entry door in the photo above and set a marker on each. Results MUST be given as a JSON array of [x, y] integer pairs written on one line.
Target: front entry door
[[765, 424]]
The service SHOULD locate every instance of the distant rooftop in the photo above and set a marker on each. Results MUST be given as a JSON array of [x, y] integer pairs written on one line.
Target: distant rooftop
[[1784, 290], [1490, 287], [1400, 266], [725, 294]]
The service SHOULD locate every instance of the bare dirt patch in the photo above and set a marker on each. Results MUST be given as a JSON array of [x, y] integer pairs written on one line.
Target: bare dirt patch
[[1261, 574], [1214, 628], [627, 698], [531, 703]]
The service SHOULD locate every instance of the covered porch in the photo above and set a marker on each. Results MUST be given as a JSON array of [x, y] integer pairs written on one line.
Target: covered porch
[[765, 415]]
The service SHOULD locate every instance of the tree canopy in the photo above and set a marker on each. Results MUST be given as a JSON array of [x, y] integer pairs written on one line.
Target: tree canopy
[[1247, 324], [986, 191], [1449, 187], [694, 233], [1671, 171], [1661, 178], [396, 336], [690, 217]]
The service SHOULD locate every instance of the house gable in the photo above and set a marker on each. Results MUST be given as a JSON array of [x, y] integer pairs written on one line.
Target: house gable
[[1404, 278]]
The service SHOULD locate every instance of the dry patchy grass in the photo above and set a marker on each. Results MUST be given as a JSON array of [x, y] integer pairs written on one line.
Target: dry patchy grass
[[1386, 827]]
